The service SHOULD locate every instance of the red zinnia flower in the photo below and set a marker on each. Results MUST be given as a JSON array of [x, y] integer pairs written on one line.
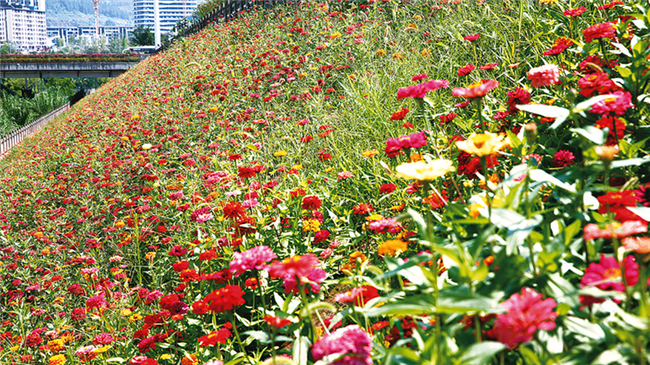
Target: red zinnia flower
[[311, 202], [616, 202], [575, 12], [446, 118], [276, 321], [387, 188], [527, 313], [233, 210], [600, 31], [225, 298], [399, 115], [214, 337], [466, 70], [517, 96], [246, 171]]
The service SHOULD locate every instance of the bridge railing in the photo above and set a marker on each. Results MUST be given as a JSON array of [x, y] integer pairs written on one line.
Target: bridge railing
[[15, 137], [227, 11]]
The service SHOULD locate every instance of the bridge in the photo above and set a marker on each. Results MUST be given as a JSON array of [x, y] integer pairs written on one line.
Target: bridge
[[58, 66]]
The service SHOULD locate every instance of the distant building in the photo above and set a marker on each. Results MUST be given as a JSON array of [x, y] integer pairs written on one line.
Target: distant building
[[22, 22], [170, 12], [110, 32]]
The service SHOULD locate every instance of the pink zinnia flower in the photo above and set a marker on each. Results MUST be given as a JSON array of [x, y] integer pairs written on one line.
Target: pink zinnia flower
[[476, 90], [472, 37], [358, 295], [383, 225], [314, 277], [254, 258], [526, 313], [344, 175], [617, 104], [351, 341], [293, 266], [606, 275], [615, 230], [420, 91], [419, 77], [544, 75], [202, 215]]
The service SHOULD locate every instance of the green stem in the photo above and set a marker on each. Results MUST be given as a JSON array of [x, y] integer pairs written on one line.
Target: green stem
[[241, 344]]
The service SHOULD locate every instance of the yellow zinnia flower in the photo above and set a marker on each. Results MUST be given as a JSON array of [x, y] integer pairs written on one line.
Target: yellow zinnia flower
[[280, 153], [311, 225], [424, 171], [56, 345], [370, 153], [483, 144], [391, 247], [57, 360]]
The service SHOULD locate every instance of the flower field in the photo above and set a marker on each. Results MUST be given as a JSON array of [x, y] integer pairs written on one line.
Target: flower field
[[381, 182]]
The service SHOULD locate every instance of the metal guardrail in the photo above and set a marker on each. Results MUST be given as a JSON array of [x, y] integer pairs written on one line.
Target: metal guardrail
[[226, 12], [18, 135]]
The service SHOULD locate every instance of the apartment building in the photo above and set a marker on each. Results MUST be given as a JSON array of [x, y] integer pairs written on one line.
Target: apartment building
[[170, 12], [22, 22]]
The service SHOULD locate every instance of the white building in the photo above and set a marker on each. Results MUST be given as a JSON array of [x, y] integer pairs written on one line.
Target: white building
[[170, 12], [22, 22]]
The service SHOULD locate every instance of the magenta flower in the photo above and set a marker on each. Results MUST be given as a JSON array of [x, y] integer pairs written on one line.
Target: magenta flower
[[351, 341], [563, 158], [526, 313], [617, 104], [420, 91], [255, 258], [607, 275]]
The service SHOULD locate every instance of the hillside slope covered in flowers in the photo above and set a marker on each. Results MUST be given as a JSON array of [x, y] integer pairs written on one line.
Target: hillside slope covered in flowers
[[331, 183]]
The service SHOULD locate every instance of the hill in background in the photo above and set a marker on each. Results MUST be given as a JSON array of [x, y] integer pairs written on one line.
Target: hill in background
[[81, 13]]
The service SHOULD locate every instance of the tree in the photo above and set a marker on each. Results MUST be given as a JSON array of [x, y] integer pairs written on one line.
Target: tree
[[142, 36], [8, 48]]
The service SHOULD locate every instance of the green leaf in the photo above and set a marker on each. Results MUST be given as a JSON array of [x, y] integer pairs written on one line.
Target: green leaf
[[450, 302], [538, 175], [584, 328], [622, 49], [252, 147], [481, 353], [629, 162], [261, 336], [560, 114], [413, 305], [530, 357], [116, 359], [504, 218], [591, 133], [518, 232], [300, 350]]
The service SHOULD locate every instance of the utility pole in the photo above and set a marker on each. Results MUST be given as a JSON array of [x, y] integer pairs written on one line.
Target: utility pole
[[96, 6]]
